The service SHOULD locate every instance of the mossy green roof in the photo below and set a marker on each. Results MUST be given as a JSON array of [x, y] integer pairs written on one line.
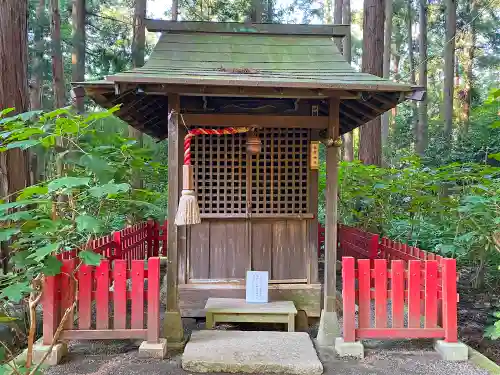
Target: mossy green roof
[[247, 59], [260, 60]]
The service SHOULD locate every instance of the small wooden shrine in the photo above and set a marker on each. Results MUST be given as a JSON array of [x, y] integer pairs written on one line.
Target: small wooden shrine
[[290, 86]]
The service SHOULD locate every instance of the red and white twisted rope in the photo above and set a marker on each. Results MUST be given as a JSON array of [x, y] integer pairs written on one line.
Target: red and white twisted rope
[[195, 132]]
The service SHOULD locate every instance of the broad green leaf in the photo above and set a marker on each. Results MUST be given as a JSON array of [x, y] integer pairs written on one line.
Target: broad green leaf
[[108, 189], [7, 234], [6, 111], [18, 216], [26, 116], [15, 291], [20, 259], [28, 192], [51, 266], [97, 116], [495, 125], [68, 183], [48, 141], [494, 156], [86, 223], [6, 319], [42, 252], [90, 258], [18, 204], [2, 354], [447, 249], [100, 167], [23, 145], [56, 113], [5, 369], [467, 237]]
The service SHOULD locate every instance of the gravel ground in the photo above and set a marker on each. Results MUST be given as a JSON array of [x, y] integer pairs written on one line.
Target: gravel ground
[[382, 358]]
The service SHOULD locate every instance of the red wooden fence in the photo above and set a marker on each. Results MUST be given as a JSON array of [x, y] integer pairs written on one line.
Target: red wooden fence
[[138, 242], [368, 285], [105, 289], [356, 243]]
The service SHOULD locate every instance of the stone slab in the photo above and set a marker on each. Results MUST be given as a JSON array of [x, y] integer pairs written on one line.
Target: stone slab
[[153, 350], [54, 358], [452, 351], [349, 349], [328, 329], [251, 352], [239, 306]]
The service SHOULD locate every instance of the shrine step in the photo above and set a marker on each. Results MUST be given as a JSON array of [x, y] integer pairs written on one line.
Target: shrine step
[[251, 352], [235, 310]]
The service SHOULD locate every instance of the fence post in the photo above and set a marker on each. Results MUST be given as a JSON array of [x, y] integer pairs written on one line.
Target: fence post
[[51, 308], [449, 278], [150, 227], [117, 239], [164, 246], [373, 249], [349, 299], [153, 329]]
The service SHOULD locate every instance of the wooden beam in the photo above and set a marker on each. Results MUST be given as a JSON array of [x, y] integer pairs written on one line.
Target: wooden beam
[[304, 216], [247, 28], [332, 157], [383, 99], [313, 188], [174, 145], [261, 121], [182, 231], [256, 92], [354, 118], [362, 107], [94, 334]]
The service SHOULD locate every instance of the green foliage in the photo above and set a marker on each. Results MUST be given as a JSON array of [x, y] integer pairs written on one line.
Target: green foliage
[[493, 331], [88, 192], [453, 210]]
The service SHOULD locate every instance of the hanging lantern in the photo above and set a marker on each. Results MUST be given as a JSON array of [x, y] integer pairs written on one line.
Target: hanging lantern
[[253, 143]]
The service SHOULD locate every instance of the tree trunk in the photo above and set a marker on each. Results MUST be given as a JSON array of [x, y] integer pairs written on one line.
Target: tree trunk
[[346, 49], [347, 19], [422, 126], [411, 64], [337, 19], [36, 83], [78, 58], [14, 171], [327, 12], [396, 60], [370, 146], [175, 10], [449, 63], [270, 11], [139, 41], [138, 51], [57, 60], [387, 62], [469, 65], [257, 11]]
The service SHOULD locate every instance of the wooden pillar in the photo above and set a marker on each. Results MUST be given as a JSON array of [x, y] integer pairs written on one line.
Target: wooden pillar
[[172, 329], [332, 158]]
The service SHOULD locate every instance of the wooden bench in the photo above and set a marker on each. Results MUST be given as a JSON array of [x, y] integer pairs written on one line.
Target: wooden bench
[[233, 310]]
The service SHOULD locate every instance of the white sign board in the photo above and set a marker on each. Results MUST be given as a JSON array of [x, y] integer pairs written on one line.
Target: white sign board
[[257, 286]]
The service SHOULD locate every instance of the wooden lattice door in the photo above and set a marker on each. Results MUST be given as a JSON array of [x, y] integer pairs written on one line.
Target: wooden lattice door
[[251, 206]]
